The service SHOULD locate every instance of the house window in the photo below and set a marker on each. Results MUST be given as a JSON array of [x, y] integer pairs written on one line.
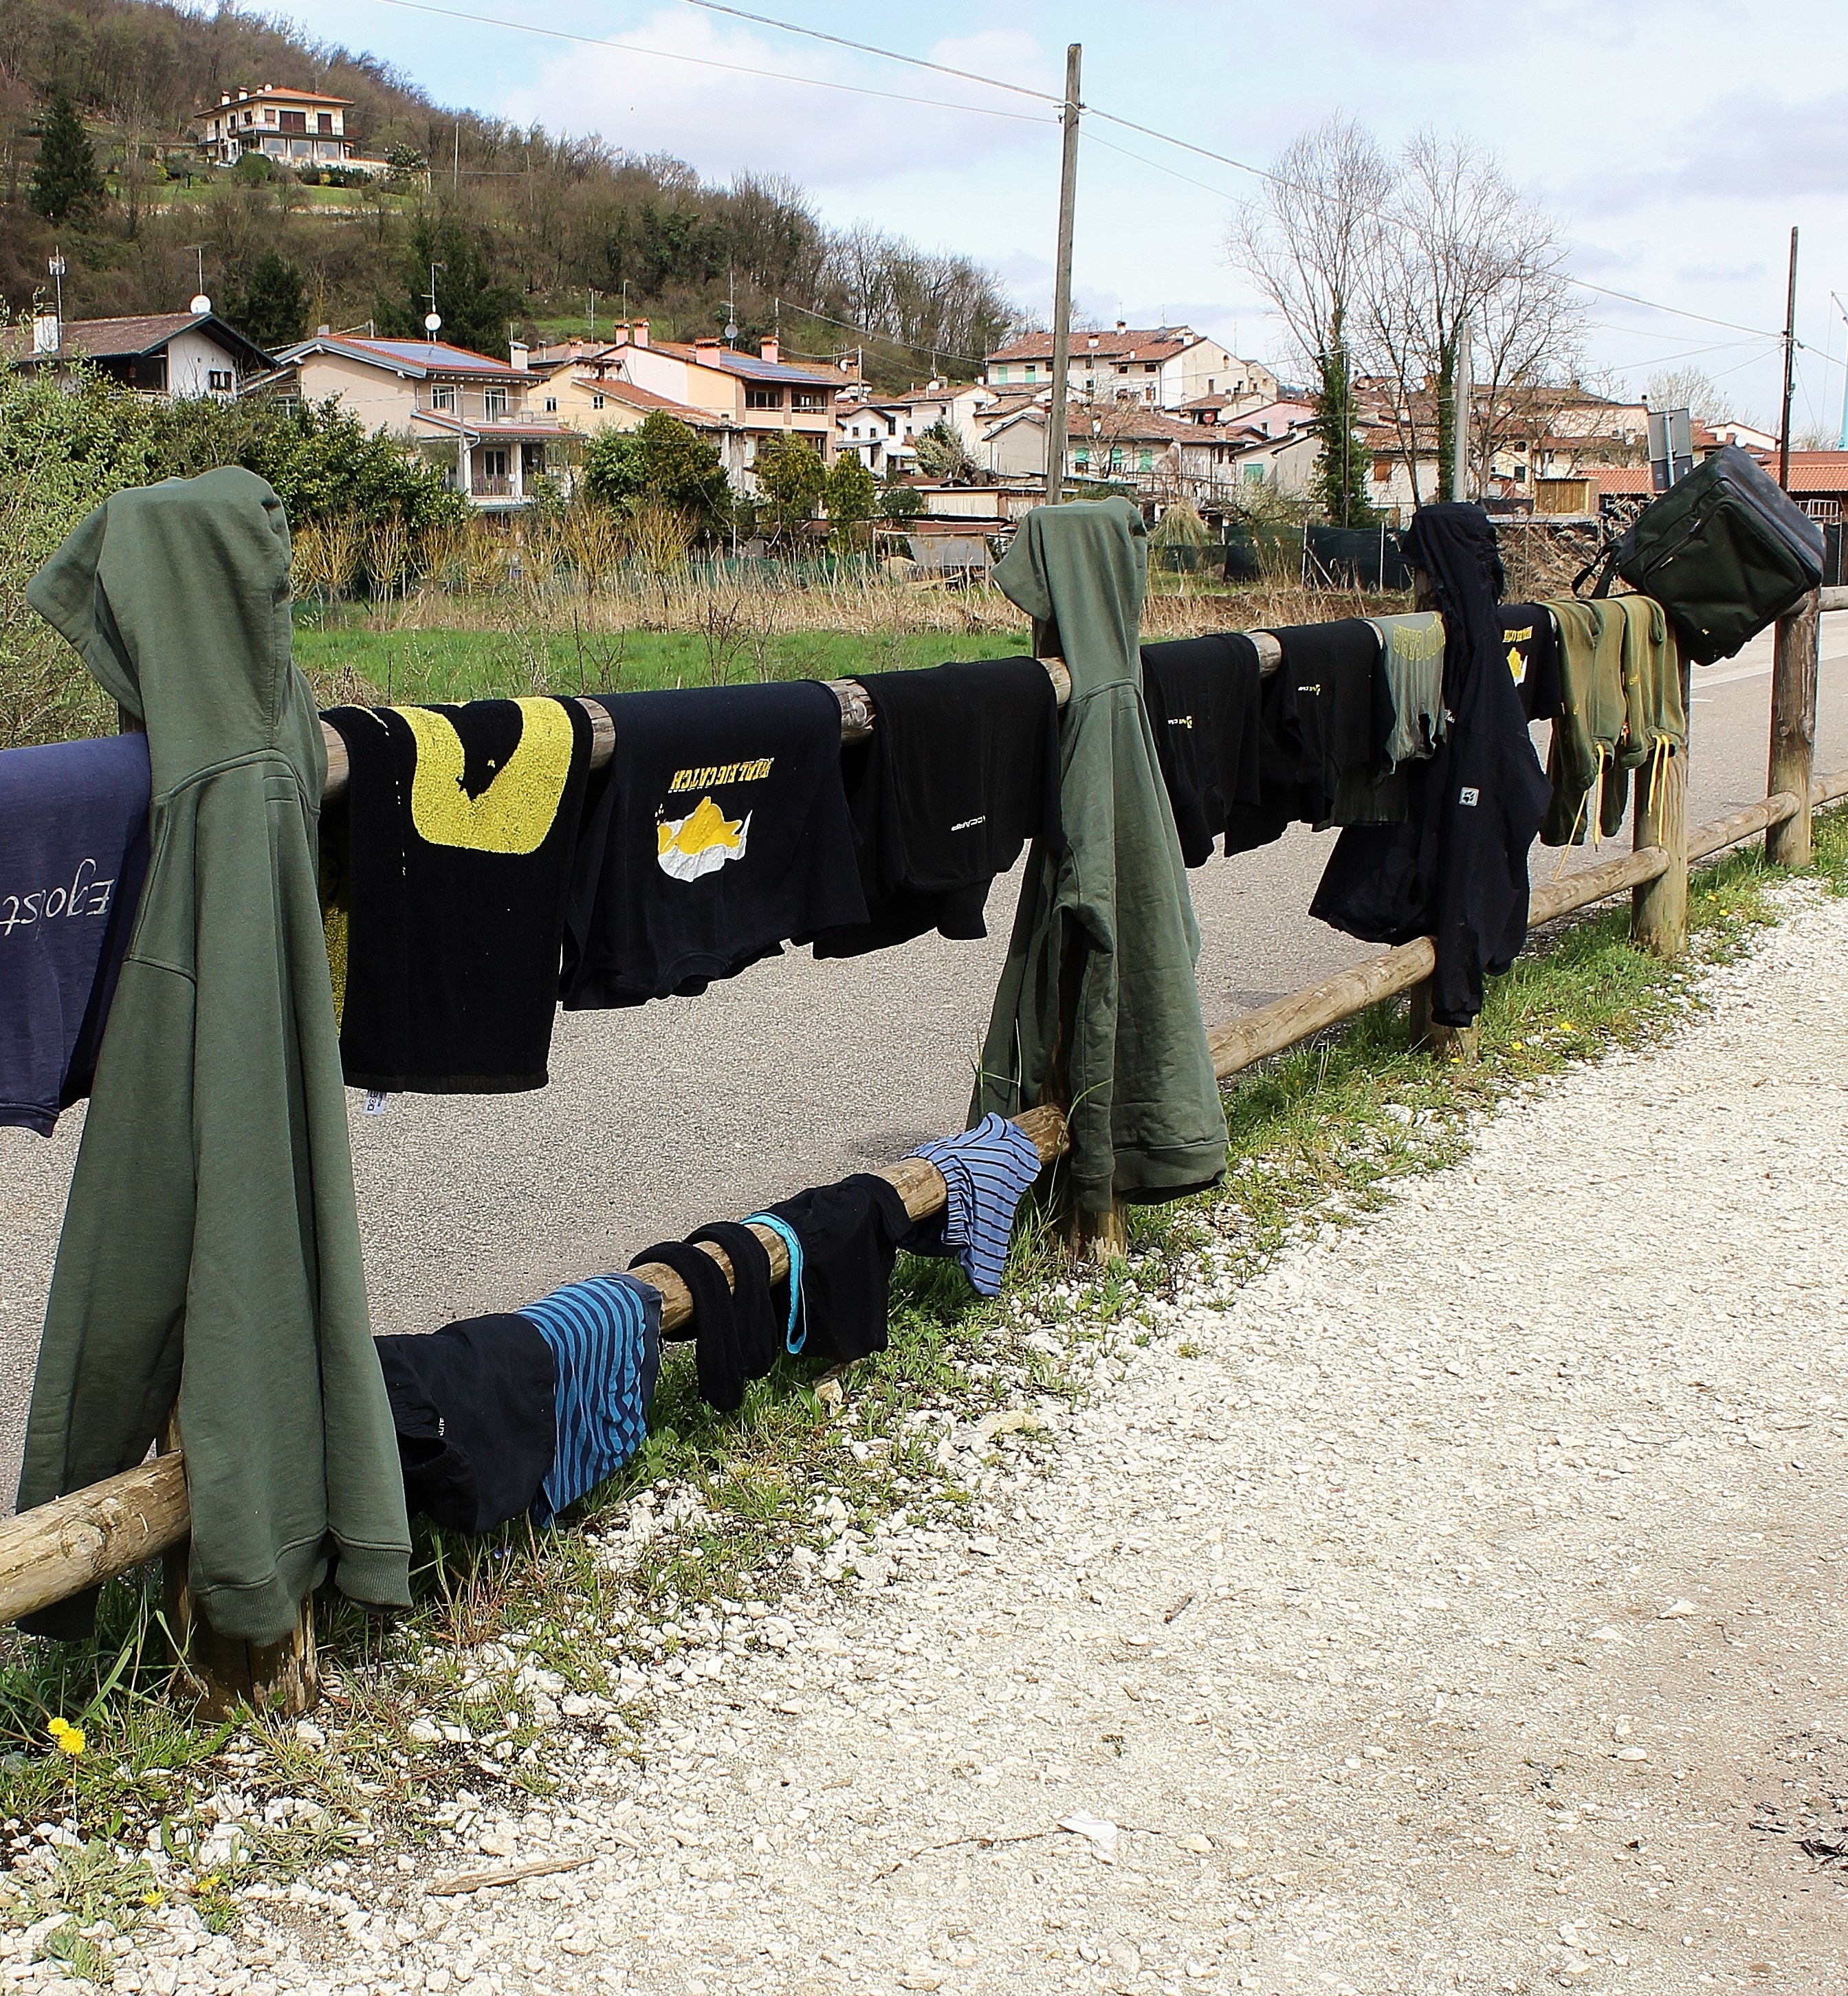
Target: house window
[[807, 398], [1209, 385], [323, 123], [443, 396], [1081, 461], [493, 403], [1001, 371], [219, 380], [1152, 367], [1116, 457], [551, 405], [763, 398], [493, 463], [1253, 474], [1145, 460], [596, 401], [1122, 367], [1032, 372], [294, 120]]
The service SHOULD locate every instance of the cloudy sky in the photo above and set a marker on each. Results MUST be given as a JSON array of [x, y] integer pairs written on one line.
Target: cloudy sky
[[1676, 141]]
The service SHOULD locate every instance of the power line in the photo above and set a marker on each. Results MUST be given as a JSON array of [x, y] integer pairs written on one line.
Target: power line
[[910, 346], [867, 49], [711, 62], [1650, 304], [1096, 113]]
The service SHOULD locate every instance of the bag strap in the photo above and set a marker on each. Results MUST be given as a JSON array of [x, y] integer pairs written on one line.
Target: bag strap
[[1605, 558]]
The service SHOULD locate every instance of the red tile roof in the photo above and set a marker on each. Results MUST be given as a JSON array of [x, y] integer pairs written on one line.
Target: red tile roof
[[1154, 342], [638, 398]]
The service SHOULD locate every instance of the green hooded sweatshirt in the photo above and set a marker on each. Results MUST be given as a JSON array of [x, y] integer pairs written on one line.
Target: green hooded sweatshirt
[[1097, 1007], [211, 1247]]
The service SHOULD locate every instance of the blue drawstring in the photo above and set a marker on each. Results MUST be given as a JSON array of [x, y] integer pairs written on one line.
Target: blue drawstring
[[793, 1340]]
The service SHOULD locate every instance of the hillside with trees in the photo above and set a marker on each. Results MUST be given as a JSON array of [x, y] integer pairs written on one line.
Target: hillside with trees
[[536, 230]]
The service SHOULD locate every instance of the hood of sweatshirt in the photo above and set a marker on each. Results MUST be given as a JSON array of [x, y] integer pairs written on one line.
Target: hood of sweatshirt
[[1078, 571], [176, 596]]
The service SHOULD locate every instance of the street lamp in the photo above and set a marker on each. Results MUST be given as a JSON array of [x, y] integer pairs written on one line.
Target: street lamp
[[56, 267]]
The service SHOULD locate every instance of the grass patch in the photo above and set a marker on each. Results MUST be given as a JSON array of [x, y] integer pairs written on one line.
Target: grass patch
[[528, 1660], [440, 663]]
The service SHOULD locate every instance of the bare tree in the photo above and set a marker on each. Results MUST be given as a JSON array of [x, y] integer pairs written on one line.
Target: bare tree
[[1309, 240], [1690, 388], [1459, 249]]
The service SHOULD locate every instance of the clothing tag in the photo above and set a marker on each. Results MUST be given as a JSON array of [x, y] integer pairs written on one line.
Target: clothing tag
[[377, 1101], [1471, 794]]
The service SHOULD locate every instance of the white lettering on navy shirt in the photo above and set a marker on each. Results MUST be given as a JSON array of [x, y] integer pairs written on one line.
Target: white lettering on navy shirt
[[87, 894]]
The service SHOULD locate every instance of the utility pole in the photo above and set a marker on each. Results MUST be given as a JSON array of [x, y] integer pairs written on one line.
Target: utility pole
[[1462, 393], [455, 161], [1790, 368], [1062, 289], [1842, 442]]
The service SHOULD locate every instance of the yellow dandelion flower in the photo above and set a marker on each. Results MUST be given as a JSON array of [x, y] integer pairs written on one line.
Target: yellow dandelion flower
[[70, 1739]]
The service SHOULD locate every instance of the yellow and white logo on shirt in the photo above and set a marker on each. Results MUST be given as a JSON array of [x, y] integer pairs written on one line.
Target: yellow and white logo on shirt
[[690, 847]]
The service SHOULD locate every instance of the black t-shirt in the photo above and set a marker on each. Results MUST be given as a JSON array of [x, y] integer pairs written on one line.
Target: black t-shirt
[[1203, 695], [961, 770], [461, 823], [1532, 644], [721, 831], [1325, 706]]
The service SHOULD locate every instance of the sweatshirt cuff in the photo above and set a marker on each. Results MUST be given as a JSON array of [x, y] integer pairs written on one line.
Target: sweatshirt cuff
[[379, 1576]]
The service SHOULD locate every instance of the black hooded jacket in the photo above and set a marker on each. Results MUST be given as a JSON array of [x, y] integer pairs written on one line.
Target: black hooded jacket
[[1456, 869]]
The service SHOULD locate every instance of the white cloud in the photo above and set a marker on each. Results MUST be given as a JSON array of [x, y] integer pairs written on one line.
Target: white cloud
[[746, 117]]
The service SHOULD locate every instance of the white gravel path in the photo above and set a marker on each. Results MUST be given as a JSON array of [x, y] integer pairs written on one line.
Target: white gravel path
[[1464, 1613]]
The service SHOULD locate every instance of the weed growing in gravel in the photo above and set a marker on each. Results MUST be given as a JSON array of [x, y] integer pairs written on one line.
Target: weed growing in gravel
[[528, 1656]]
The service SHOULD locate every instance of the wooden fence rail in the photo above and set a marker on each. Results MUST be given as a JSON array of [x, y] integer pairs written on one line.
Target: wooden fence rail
[[59, 1549]]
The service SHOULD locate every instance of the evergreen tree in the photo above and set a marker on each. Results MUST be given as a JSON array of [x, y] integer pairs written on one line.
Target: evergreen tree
[[1339, 489], [274, 307], [475, 309], [790, 478], [66, 184], [850, 495], [663, 459]]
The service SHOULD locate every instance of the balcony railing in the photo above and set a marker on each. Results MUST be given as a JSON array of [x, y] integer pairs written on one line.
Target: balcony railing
[[491, 486]]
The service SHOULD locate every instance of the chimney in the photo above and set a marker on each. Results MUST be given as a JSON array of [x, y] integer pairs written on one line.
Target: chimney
[[224, 97], [1091, 341], [519, 355], [638, 332], [45, 333], [321, 332], [1123, 325], [710, 344], [770, 347]]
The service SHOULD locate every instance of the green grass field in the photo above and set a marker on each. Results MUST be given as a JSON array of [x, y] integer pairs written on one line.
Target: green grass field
[[454, 665]]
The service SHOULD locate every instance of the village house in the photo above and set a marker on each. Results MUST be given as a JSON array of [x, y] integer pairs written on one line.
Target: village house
[[469, 412], [880, 429], [1161, 455], [293, 127], [748, 398], [1165, 366], [171, 354]]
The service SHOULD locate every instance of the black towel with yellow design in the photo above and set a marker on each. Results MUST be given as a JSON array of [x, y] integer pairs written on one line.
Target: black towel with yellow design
[[462, 822]]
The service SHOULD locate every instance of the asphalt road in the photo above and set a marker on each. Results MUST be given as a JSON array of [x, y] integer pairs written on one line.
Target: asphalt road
[[788, 1075]]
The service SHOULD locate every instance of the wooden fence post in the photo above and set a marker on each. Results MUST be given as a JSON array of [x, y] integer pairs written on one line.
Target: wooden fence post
[[282, 1679], [1794, 729], [1658, 908], [1457, 1042]]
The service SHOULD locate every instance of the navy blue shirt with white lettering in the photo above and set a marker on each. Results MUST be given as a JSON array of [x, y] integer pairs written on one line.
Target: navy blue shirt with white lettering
[[73, 851]]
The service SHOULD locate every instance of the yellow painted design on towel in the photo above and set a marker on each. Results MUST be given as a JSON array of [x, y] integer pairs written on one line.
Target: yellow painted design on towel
[[700, 843], [517, 810]]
